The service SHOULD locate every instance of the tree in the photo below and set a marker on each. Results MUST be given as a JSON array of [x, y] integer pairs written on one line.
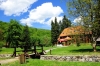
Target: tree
[[25, 38], [65, 23], [58, 27], [13, 35], [60, 30], [90, 12], [54, 31], [1, 35], [1, 39]]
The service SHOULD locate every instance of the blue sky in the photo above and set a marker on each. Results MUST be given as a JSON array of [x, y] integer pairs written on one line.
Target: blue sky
[[34, 13]]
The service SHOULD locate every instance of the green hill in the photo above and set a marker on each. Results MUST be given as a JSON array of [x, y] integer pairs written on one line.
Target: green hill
[[43, 34]]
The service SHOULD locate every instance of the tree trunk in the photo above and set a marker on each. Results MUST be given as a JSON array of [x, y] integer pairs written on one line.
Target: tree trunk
[[35, 50], [14, 53], [25, 49], [94, 47]]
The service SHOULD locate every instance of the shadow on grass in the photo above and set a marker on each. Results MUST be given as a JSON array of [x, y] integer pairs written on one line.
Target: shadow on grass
[[37, 56], [84, 50]]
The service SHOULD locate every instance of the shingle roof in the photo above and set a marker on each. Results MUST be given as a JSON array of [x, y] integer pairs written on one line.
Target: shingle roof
[[73, 31]]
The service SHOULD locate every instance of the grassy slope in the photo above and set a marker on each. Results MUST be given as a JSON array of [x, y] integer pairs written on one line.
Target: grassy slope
[[74, 50]]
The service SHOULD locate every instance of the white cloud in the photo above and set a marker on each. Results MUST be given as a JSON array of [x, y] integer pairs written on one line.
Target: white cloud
[[15, 7], [78, 19], [42, 14]]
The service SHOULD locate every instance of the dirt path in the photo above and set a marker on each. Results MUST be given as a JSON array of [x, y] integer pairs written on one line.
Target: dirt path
[[8, 60]]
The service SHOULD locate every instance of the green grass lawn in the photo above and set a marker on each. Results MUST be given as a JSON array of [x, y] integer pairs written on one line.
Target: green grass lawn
[[19, 50], [10, 50], [83, 49], [37, 62]]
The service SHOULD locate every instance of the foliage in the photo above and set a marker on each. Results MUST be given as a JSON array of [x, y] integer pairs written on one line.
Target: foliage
[[54, 31], [1, 45], [3, 26], [34, 32], [13, 33], [45, 40], [25, 36], [1, 35], [40, 35], [89, 10], [65, 23]]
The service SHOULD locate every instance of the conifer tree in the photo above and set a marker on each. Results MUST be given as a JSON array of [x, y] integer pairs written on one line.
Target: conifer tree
[[25, 37]]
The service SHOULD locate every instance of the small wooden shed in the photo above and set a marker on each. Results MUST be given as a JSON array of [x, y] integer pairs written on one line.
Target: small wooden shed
[[98, 42]]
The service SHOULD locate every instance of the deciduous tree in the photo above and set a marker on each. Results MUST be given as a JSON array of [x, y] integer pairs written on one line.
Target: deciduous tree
[[13, 35], [90, 12]]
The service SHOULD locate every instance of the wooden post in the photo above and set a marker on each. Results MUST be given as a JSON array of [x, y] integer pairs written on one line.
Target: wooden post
[[50, 51], [35, 49], [42, 48]]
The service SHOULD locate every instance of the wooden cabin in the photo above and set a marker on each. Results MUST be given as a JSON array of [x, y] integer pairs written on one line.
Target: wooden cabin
[[73, 35]]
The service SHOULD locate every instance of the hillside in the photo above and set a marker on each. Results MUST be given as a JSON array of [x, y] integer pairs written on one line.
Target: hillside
[[43, 34]]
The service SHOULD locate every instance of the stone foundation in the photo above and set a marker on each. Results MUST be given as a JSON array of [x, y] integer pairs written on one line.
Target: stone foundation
[[82, 58], [5, 55]]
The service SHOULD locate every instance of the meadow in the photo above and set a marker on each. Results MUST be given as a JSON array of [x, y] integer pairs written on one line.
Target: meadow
[[83, 49]]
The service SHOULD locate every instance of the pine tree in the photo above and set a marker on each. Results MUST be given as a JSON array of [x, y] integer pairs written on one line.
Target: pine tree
[[56, 30], [65, 23], [52, 32]]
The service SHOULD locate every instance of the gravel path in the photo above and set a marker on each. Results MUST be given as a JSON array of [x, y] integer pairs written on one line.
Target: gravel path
[[8, 60]]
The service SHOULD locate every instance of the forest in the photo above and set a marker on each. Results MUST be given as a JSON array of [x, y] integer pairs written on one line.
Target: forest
[[7, 35]]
